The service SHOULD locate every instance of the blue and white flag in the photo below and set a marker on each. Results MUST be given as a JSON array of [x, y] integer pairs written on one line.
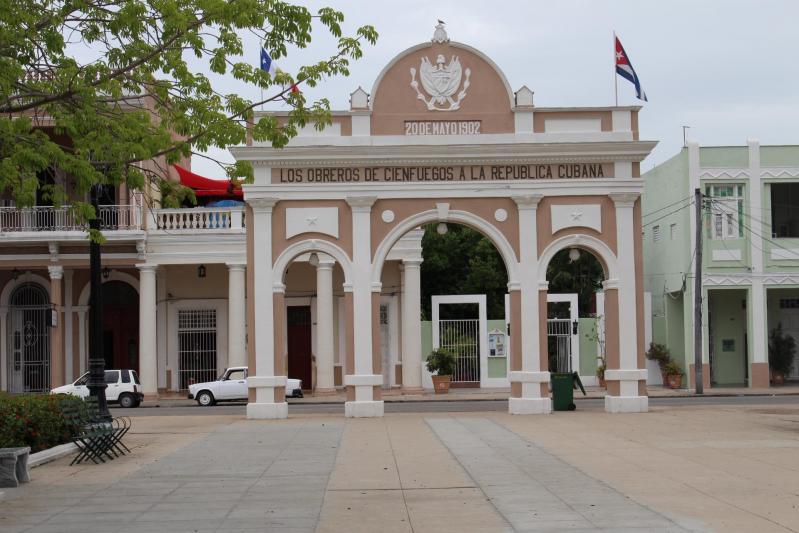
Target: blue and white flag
[[267, 65], [625, 69]]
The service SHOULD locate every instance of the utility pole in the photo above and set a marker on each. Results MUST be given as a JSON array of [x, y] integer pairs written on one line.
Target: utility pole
[[96, 383], [698, 295]]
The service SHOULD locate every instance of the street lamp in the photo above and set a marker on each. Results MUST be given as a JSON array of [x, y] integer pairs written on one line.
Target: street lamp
[[96, 383]]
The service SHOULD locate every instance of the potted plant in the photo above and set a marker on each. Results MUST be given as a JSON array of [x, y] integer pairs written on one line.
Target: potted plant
[[673, 375], [781, 351], [660, 354], [441, 363], [602, 362]]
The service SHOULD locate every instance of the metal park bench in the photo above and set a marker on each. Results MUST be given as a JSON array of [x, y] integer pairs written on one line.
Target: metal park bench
[[97, 440], [14, 466]]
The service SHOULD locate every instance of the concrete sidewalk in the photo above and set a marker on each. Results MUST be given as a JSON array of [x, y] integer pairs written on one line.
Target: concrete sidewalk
[[674, 469]]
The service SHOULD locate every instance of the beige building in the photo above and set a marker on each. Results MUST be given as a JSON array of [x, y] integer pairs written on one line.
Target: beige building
[[317, 277]]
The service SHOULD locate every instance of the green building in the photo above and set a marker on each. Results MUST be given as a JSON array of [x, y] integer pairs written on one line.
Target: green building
[[750, 256]]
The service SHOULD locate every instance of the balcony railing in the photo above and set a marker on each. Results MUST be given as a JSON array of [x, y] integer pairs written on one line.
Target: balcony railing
[[43, 219], [199, 219]]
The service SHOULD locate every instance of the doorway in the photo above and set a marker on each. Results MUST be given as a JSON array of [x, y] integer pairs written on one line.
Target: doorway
[[298, 325], [120, 325], [29, 339]]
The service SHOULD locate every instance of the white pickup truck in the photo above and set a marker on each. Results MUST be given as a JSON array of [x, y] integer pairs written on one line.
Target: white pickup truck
[[232, 386]]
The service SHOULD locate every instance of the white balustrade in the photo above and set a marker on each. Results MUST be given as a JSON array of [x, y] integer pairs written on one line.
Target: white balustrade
[[199, 219]]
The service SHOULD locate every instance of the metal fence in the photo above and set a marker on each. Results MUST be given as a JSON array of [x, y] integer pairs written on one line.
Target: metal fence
[[196, 346], [47, 218], [462, 338], [559, 343], [28, 339]]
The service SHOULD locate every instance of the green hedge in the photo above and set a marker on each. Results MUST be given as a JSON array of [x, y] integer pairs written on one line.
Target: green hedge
[[35, 420]]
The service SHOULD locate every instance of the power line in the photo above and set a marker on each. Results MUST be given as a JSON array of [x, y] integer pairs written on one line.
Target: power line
[[669, 214], [666, 206]]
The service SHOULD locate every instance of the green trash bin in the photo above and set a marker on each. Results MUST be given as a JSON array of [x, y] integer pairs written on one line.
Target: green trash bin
[[563, 385]]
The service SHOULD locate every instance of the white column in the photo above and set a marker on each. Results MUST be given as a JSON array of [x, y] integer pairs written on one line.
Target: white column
[[3, 353], [757, 310], [628, 373], [363, 379], [237, 328], [264, 380], [411, 327], [531, 377], [324, 326], [148, 346], [162, 334], [57, 332]]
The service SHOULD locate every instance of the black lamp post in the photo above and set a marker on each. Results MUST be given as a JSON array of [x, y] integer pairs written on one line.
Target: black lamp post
[[96, 383]]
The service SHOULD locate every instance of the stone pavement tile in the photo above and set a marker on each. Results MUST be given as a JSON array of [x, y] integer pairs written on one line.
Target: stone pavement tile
[[366, 510], [463, 509], [365, 459]]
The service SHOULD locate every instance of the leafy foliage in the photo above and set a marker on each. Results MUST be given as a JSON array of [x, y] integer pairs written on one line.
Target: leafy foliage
[[35, 420], [583, 276], [659, 353], [781, 350], [103, 91], [462, 261], [441, 362]]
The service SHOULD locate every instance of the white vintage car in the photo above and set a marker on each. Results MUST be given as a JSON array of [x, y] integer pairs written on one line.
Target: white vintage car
[[123, 387], [232, 386]]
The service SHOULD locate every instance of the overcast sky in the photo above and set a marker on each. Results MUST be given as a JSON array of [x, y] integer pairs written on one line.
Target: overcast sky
[[729, 69]]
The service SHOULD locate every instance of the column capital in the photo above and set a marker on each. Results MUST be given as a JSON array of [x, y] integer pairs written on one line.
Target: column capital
[[361, 204], [514, 286], [325, 262], [610, 284], [626, 199], [377, 286], [278, 288], [543, 285], [415, 262], [236, 267], [56, 272], [147, 267], [528, 201], [262, 205]]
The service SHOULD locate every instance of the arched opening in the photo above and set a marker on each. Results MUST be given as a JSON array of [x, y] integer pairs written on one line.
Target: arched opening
[[28, 340], [120, 325], [575, 313], [452, 294]]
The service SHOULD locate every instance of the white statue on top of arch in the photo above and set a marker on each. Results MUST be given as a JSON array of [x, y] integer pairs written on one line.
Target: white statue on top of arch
[[441, 81]]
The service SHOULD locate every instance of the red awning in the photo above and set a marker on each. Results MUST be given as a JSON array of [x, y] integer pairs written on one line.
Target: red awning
[[205, 186]]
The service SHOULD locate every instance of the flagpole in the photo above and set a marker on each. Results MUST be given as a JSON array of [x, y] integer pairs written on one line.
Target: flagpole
[[615, 75]]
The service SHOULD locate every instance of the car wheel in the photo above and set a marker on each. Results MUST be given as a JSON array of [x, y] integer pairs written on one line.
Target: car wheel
[[127, 401], [298, 395], [205, 399]]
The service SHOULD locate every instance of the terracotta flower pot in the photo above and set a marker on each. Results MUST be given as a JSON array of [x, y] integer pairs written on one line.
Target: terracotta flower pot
[[674, 381], [778, 378], [602, 382], [441, 384]]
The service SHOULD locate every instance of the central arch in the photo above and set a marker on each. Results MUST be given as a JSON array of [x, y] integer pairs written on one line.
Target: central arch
[[462, 217]]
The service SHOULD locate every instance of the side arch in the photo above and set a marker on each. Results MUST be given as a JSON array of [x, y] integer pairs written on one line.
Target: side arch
[[27, 277], [463, 217], [601, 250], [307, 246], [115, 275]]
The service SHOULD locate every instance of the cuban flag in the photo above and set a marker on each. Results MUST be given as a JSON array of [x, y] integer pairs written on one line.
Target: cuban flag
[[269, 66], [625, 69]]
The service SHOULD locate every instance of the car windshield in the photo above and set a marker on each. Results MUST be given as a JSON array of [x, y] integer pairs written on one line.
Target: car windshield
[[83, 380]]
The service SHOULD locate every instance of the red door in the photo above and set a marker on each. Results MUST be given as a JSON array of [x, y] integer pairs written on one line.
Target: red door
[[298, 321], [120, 325]]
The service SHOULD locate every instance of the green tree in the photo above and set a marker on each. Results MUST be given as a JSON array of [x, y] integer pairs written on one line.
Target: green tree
[[462, 261], [583, 276], [99, 88]]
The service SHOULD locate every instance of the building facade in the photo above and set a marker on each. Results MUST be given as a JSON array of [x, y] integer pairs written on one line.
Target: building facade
[[317, 275], [750, 256]]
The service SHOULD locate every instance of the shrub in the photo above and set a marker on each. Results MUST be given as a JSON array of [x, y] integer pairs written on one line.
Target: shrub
[[672, 369], [781, 351], [35, 420], [659, 353], [441, 362]]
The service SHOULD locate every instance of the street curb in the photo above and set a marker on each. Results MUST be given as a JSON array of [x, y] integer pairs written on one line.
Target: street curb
[[51, 454]]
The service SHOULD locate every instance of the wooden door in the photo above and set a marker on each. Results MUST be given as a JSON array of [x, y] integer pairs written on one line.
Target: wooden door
[[120, 326], [298, 321]]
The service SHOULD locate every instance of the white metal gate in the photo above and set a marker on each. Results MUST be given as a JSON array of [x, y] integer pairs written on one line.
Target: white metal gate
[[559, 343], [196, 346], [28, 341], [462, 338]]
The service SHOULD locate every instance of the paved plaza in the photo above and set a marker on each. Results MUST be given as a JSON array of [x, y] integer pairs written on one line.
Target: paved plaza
[[687, 468]]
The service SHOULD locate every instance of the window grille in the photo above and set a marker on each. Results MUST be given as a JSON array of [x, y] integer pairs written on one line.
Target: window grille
[[29, 315], [196, 346], [656, 233]]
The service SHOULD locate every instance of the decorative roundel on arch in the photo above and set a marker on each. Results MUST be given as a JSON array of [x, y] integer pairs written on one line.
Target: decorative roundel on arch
[[447, 83]]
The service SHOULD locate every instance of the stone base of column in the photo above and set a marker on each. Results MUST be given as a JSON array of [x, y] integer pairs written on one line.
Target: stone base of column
[[412, 390], [325, 392], [150, 397], [529, 406], [705, 376], [626, 404], [759, 376], [267, 411], [363, 409]]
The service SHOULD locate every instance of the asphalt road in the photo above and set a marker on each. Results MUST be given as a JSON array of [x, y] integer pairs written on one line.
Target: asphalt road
[[592, 404]]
